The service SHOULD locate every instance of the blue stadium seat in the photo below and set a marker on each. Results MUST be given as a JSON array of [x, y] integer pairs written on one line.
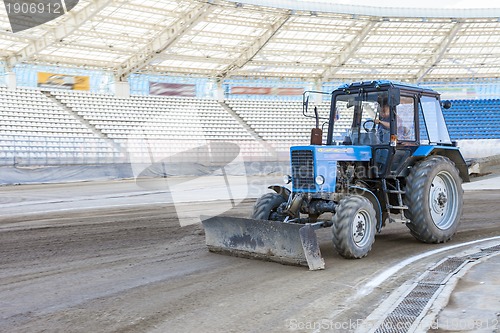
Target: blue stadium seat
[[474, 119]]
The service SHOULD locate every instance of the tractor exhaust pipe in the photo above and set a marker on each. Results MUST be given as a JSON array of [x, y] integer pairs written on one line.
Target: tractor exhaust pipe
[[316, 133]]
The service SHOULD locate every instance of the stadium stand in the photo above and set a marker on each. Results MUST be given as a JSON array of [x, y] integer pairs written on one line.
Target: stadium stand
[[238, 70], [474, 119], [58, 127], [281, 123], [36, 131], [161, 126]]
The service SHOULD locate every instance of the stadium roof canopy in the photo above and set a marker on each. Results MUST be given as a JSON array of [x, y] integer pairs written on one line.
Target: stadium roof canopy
[[258, 39]]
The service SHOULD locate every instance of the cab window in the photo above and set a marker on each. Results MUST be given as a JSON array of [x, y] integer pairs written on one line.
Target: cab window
[[406, 119]]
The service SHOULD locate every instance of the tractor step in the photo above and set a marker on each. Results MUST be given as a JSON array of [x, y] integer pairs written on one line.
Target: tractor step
[[403, 220], [397, 207], [399, 193], [396, 191]]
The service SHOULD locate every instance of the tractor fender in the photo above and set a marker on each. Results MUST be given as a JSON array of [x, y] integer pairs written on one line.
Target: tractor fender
[[373, 199], [453, 153], [281, 190]]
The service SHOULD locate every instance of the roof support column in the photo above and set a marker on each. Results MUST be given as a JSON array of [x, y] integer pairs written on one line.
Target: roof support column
[[318, 86], [348, 51], [73, 21], [248, 54], [438, 53], [220, 91], [162, 41], [122, 89], [10, 80]]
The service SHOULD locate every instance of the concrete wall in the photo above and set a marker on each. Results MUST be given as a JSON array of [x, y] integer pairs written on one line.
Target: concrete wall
[[471, 149], [479, 148]]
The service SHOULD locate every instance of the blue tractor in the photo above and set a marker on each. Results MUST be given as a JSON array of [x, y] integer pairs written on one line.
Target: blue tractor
[[387, 158]]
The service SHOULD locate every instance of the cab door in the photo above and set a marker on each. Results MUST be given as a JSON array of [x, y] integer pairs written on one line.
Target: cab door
[[406, 131]]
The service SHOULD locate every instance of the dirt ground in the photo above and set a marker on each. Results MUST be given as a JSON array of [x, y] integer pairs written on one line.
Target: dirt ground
[[135, 269]]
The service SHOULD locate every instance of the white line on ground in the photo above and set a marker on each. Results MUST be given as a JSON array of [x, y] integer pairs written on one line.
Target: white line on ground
[[379, 279], [382, 277]]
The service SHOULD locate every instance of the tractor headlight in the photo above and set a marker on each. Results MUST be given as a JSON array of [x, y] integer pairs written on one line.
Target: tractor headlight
[[320, 180], [287, 179]]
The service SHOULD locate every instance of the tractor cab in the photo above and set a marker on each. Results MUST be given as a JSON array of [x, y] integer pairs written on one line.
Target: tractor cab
[[394, 120]]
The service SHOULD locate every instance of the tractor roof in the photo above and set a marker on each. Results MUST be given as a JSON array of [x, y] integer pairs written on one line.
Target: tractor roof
[[386, 84]]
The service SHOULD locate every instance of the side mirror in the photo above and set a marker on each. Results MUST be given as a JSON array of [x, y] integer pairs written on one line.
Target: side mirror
[[305, 104], [446, 104], [350, 102]]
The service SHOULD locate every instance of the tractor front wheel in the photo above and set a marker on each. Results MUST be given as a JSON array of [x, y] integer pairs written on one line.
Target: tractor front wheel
[[353, 227], [434, 198], [266, 206]]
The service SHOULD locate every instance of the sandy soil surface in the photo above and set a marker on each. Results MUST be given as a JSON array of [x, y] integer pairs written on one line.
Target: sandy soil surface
[[135, 269]]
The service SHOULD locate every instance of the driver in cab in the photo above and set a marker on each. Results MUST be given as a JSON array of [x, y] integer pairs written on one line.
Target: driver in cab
[[384, 122]]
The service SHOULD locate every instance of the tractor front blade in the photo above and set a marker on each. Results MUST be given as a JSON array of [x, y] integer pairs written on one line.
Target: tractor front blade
[[286, 243]]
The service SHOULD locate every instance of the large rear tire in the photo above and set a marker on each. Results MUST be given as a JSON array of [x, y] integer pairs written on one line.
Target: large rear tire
[[354, 227], [266, 206], [434, 197]]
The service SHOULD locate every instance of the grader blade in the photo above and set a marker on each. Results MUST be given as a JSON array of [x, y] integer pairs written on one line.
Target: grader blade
[[286, 243], [310, 246]]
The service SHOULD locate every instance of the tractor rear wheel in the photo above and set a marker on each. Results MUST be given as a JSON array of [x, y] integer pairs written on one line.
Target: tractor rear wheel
[[353, 227], [434, 198], [266, 206]]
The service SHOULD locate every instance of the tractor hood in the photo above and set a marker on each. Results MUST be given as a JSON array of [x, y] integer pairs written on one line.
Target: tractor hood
[[337, 153], [344, 153], [314, 168]]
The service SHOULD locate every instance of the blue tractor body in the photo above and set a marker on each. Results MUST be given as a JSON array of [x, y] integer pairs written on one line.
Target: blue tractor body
[[386, 157]]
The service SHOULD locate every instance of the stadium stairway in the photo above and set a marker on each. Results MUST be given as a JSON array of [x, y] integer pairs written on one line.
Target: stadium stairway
[[84, 121], [249, 129]]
